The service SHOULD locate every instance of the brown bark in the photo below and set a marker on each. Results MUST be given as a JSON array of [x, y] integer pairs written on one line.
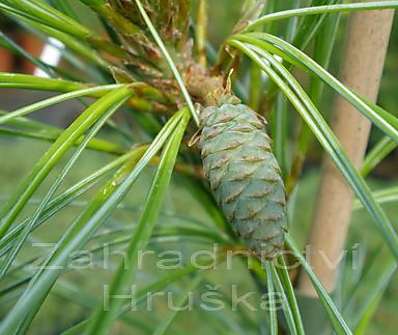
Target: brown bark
[[366, 46], [6, 60], [32, 45]]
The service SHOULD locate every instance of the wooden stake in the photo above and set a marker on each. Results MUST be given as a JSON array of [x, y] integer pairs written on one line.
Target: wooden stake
[[366, 47]]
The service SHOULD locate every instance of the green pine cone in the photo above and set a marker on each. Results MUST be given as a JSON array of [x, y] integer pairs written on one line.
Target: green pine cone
[[244, 176]]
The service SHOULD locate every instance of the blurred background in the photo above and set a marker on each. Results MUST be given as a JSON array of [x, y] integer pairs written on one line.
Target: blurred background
[[17, 156]]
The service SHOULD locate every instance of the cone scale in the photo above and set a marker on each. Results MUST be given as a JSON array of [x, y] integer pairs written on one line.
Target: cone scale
[[244, 176]]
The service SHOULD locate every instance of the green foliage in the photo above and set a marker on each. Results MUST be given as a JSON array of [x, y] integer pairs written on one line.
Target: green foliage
[[147, 64]]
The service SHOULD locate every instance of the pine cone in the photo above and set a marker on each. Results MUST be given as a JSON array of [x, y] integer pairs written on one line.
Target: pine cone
[[244, 176]]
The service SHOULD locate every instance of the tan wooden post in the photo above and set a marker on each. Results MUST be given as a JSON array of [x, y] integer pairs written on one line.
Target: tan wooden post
[[366, 46]]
